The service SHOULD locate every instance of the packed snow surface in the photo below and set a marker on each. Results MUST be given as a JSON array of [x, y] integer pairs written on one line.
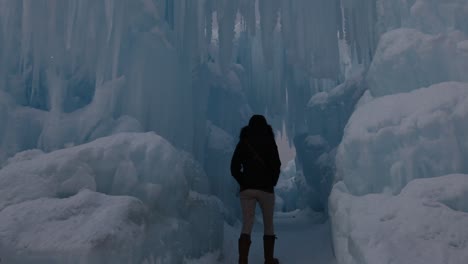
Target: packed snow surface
[[83, 227], [394, 139], [424, 224], [407, 59], [303, 238], [132, 193]]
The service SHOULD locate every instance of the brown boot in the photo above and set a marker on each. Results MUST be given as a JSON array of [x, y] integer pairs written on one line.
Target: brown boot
[[244, 246], [269, 249]]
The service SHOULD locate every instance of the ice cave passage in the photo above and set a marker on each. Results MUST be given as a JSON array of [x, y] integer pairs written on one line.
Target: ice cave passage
[[119, 118]]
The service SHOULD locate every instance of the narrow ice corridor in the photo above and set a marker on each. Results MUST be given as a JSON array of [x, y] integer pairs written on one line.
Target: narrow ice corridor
[[119, 120], [303, 237]]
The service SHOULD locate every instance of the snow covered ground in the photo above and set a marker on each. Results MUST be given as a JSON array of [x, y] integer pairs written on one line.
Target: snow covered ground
[[425, 223], [303, 238]]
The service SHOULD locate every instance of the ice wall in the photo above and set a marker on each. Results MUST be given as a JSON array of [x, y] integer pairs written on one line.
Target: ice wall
[[439, 58], [394, 139], [420, 44], [57, 54], [423, 224], [72, 72], [78, 71], [408, 125], [193, 71]]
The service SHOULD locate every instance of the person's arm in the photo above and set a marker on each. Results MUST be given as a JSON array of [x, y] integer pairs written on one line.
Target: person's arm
[[236, 164], [276, 164]]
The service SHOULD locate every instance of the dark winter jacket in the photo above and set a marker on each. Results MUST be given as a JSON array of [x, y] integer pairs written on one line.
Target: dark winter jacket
[[255, 163]]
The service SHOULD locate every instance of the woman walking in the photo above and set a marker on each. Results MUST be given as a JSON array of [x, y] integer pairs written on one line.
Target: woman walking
[[256, 167]]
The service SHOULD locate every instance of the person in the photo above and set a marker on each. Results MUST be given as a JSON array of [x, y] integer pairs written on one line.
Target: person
[[256, 167]]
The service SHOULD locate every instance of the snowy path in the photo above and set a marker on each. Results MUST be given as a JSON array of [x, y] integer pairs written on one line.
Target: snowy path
[[302, 239]]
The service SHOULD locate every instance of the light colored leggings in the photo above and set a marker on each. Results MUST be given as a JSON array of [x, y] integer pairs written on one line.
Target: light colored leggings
[[249, 199]]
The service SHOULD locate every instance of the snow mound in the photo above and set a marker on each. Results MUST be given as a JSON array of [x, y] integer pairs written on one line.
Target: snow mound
[[425, 223], [88, 225], [426, 15], [394, 139], [123, 164], [20, 127], [169, 189], [407, 59]]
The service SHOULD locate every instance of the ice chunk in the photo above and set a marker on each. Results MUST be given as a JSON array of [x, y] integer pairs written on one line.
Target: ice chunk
[[82, 178], [205, 214], [81, 126], [87, 227], [423, 224], [104, 160], [218, 153], [394, 139], [25, 155], [439, 58], [20, 128], [293, 191], [329, 111], [171, 187], [429, 16], [365, 98]]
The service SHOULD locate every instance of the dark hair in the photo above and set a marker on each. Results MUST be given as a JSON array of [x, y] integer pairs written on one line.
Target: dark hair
[[257, 126], [257, 121]]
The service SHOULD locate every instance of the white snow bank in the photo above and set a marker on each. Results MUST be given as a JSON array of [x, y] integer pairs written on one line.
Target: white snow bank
[[130, 163], [38, 188], [394, 139], [20, 127], [84, 226], [424, 224], [426, 15], [407, 59]]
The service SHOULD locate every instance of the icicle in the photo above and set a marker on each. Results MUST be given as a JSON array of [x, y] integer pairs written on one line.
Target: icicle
[[26, 32], [117, 41], [109, 10], [360, 27], [201, 27], [226, 20], [247, 10], [268, 20], [70, 23]]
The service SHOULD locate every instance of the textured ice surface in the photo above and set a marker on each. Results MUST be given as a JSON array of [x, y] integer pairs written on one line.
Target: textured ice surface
[[394, 139], [293, 191], [424, 224], [170, 186], [20, 127], [329, 111], [83, 228], [218, 155], [407, 59], [382, 212], [425, 15], [55, 56]]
